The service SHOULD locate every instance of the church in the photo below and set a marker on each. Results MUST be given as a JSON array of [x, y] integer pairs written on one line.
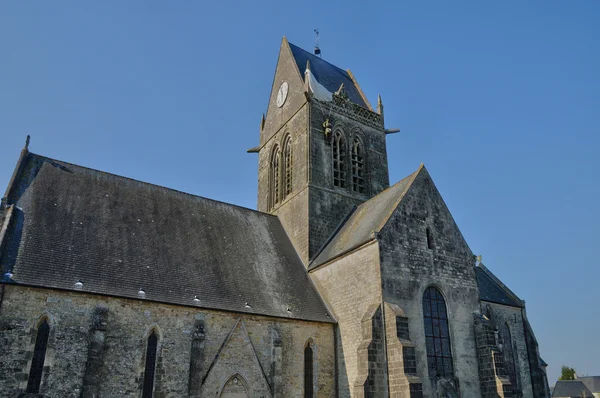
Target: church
[[338, 285]]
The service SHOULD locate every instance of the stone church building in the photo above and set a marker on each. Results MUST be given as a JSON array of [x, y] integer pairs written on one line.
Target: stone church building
[[339, 285]]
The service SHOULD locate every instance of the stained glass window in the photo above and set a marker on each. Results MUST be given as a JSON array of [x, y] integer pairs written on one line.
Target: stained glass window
[[437, 336]]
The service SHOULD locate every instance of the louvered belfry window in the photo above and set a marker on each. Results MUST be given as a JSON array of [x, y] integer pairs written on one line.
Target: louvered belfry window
[[150, 368], [274, 178], [308, 372], [39, 356], [287, 166], [437, 335], [339, 160], [358, 167]]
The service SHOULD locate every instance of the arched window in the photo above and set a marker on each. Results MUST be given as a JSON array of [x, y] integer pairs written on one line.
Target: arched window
[[287, 166], [509, 356], [39, 355], [274, 178], [358, 167], [308, 372], [339, 160], [150, 364], [437, 336]]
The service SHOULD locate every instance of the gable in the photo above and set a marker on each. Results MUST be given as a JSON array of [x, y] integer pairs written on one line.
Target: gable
[[362, 222], [422, 212], [414, 196], [236, 368], [285, 71], [126, 238]]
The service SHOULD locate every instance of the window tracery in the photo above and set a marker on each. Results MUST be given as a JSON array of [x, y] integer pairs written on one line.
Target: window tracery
[[437, 335]]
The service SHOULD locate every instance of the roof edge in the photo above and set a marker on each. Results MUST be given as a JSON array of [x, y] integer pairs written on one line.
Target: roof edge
[[412, 177], [372, 239], [510, 293], [16, 172], [150, 184], [20, 284], [362, 94]]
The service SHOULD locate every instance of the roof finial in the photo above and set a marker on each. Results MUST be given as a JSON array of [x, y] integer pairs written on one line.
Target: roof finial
[[27, 142], [317, 49]]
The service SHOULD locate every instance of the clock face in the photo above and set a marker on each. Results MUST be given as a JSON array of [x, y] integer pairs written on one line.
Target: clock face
[[282, 94]]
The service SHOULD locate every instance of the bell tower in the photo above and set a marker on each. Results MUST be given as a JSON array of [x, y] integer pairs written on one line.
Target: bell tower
[[322, 149]]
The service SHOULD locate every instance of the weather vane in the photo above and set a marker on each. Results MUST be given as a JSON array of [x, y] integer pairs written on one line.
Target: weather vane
[[317, 49]]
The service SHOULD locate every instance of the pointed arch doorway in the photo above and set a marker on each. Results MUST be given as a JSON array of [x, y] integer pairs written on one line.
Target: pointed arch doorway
[[235, 387]]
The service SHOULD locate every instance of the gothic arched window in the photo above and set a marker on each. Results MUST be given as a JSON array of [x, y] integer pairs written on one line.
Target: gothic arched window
[[308, 372], [274, 177], [437, 336], [150, 367], [339, 160], [39, 355], [287, 166], [509, 356], [358, 167]]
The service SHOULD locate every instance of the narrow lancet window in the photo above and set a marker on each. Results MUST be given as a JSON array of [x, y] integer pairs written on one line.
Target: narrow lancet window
[[509, 356], [308, 372], [39, 356], [437, 335], [150, 365], [429, 238], [287, 166], [358, 167], [274, 178], [339, 160]]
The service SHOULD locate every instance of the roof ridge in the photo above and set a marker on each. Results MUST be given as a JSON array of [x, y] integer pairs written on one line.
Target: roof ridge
[[312, 55], [410, 177], [151, 184]]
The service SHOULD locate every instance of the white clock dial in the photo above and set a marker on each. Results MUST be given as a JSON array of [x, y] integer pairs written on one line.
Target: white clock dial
[[282, 94]]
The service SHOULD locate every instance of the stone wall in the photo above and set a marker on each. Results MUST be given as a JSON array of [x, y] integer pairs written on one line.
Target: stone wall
[[409, 266], [351, 287], [329, 205], [101, 342], [506, 315]]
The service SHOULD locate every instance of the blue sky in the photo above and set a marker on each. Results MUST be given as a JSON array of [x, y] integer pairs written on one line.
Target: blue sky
[[500, 100]]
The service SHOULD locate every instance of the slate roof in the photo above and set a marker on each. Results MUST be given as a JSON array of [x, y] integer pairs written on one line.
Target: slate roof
[[368, 218], [571, 388], [591, 382], [330, 76], [490, 289], [118, 235]]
